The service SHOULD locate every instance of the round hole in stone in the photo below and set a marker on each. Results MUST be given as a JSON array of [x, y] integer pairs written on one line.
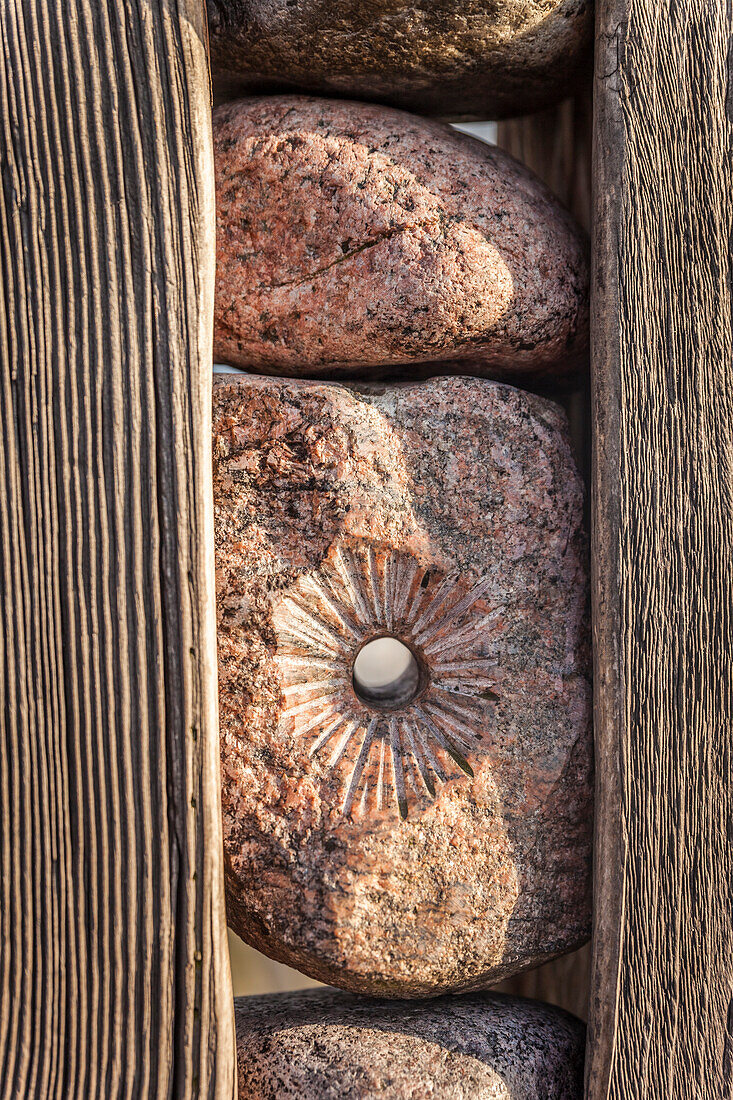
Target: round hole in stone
[[386, 674]]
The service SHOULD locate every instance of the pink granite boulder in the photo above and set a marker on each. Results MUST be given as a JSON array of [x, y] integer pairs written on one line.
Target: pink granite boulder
[[353, 238], [432, 833], [324, 1045]]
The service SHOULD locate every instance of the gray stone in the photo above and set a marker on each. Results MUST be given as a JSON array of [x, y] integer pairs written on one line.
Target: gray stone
[[455, 58], [324, 1045]]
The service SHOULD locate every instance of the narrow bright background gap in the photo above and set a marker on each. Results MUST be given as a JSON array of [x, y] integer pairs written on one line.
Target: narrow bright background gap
[[381, 663]]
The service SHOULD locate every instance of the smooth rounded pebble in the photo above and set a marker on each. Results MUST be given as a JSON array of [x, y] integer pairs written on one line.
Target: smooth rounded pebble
[[456, 58], [354, 239], [439, 839], [325, 1045]]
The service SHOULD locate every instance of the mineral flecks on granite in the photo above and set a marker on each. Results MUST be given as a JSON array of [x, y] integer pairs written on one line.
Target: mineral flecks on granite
[[325, 1045], [447, 57], [357, 240], [444, 842]]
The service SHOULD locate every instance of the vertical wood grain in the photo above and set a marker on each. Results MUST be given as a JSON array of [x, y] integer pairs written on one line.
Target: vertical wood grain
[[661, 1022], [556, 145], [114, 975]]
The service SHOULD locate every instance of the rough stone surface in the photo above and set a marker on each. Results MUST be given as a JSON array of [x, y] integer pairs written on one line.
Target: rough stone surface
[[457, 58], [350, 237], [444, 844], [324, 1045]]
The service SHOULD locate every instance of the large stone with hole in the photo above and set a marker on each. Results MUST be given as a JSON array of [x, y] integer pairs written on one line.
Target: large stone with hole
[[323, 1044], [424, 826], [355, 239], [457, 58]]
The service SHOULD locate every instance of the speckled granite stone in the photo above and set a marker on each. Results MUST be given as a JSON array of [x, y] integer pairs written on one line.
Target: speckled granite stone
[[324, 1045], [350, 237], [480, 58], [446, 843]]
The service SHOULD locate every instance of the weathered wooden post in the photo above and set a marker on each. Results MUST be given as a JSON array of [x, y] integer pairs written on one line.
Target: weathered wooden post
[[662, 986], [113, 970], [662, 981], [114, 976]]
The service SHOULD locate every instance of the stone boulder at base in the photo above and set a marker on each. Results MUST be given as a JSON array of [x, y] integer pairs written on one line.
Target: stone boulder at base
[[361, 241], [431, 832], [324, 1045], [456, 58]]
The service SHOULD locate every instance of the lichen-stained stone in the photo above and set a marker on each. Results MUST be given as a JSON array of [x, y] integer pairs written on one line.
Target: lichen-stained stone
[[356, 239], [438, 840], [325, 1045], [455, 58]]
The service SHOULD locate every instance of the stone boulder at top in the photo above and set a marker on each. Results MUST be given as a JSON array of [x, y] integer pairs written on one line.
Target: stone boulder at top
[[353, 239], [456, 58], [322, 1044], [431, 832]]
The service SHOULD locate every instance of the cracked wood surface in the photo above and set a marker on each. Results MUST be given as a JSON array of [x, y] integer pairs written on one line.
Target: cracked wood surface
[[114, 975], [661, 1020]]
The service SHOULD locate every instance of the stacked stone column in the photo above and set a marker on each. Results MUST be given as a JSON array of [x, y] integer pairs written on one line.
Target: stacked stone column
[[382, 280]]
